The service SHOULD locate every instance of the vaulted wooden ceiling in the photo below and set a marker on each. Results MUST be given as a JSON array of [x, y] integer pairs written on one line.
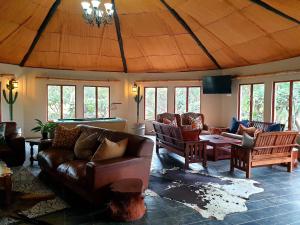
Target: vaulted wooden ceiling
[[155, 35]]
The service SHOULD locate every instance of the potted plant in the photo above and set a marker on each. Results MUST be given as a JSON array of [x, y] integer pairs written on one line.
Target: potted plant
[[46, 129], [139, 128]]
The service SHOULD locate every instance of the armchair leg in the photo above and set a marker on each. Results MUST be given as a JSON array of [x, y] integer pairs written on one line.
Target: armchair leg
[[248, 172], [231, 166], [186, 163], [289, 167], [157, 149]]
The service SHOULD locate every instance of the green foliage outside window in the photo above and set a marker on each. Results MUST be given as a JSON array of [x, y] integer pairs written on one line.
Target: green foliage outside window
[[89, 102]]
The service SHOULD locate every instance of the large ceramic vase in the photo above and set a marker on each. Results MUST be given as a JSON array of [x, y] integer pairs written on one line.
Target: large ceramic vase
[[139, 129]]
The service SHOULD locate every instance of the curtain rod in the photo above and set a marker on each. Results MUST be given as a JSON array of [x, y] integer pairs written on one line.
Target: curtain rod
[[74, 79]]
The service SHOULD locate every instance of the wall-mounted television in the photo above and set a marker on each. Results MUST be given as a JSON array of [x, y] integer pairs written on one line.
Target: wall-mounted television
[[217, 84]]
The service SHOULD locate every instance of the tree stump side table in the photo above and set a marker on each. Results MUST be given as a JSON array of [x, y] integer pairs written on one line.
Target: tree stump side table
[[127, 200]]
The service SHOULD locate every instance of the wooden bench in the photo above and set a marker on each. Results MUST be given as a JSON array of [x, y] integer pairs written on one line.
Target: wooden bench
[[170, 138], [269, 148]]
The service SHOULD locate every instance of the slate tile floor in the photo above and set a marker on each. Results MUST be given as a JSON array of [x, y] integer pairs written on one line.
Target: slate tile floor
[[278, 204]]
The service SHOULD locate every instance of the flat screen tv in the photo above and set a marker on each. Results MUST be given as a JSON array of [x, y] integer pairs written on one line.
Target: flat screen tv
[[217, 85]]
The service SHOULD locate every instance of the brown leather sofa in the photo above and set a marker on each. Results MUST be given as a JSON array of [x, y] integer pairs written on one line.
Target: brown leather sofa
[[13, 152], [91, 179]]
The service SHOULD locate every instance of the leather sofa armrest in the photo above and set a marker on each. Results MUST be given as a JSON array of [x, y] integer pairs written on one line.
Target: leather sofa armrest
[[103, 173], [16, 142]]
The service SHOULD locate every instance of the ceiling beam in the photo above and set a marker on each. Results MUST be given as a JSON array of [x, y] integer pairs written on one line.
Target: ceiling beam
[[40, 31], [119, 34], [189, 30], [274, 10]]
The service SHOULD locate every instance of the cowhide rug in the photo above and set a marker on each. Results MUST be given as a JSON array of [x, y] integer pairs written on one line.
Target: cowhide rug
[[30, 198], [212, 196]]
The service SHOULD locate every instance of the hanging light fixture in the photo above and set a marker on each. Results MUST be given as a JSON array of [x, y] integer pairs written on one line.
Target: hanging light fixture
[[96, 13]]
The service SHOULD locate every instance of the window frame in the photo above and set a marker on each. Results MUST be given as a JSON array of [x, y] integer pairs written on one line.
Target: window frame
[[251, 98], [61, 99], [155, 110], [187, 97], [96, 97], [291, 82]]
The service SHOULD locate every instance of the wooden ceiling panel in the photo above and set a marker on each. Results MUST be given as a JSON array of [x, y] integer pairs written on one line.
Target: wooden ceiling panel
[[239, 4], [167, 63], [261, 50], [138, 65], [235, 29], [289, 7], [198, 62], [289, 39], [267, 20], [228, 58], [44, 60]]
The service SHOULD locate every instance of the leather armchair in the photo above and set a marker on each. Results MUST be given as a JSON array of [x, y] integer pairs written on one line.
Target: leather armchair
[[13, 152]]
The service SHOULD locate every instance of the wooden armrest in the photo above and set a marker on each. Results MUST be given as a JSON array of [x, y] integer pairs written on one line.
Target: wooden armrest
[[240, 146], [275, 146]]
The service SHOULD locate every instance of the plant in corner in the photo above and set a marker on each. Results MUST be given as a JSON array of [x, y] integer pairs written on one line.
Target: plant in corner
[[139, 127], [46, 129]]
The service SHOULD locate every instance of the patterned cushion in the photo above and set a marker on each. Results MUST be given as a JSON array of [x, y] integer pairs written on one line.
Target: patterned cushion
[[110, 150], [196, 123], [2, 133], [64, 137], [170, 122]]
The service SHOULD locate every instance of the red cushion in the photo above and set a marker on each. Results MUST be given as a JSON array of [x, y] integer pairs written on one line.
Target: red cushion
[[191, 135], [170, 122]]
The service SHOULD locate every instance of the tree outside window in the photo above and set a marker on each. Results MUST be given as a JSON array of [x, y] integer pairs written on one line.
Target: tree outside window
[[187, 99], [156, 101]]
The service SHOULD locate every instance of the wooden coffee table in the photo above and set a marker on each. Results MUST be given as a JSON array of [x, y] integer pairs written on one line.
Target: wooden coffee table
[[5, 181], [219, 146]]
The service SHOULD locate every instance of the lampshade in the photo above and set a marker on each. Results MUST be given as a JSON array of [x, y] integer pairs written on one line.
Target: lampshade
[[95, 3], [85, 5], [134, 88]]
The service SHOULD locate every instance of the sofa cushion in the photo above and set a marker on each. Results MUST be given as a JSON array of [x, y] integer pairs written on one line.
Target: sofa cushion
[[110, 150], [230, 135], [196, 123], [191, 135], [52, 158], [74, 171], [249, 130], [172, 122], [86, 145], [274, 127], [64, 137], [2, 133], [235, 124]]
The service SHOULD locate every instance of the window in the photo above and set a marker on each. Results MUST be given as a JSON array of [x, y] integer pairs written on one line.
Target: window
[[156, 102], [96, 102], [61, 102], [251, 101], [286, 103], [187, 99]]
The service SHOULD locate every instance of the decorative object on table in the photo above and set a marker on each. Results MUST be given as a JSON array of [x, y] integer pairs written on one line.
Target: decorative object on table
[[95, 13], [47, 129], [12, 97], [127, 200], [30, 198], [211, 196], [139, 128]]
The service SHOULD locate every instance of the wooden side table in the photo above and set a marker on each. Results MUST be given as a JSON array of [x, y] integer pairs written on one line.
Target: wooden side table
[[36, 142]]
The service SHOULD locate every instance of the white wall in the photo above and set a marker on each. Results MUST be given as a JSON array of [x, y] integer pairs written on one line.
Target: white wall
[[218, 109]]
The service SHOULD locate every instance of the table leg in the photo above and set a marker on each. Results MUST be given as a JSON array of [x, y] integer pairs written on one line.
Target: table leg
[[31, 155], [215, 153], [8, 189]]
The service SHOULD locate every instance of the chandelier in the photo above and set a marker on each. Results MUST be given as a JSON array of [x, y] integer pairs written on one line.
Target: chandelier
[[96, 13]]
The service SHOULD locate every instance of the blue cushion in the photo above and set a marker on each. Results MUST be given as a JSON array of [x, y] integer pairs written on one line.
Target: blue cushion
[[235, 124], [274, 127]]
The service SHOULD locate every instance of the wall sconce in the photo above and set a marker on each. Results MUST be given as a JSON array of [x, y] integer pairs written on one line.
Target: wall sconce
[[11, 99], [134, 87]]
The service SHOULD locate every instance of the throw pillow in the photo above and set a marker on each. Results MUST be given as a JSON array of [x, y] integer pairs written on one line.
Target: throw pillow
[[191, 135], [274, 127], [235, 125], [249, 130], [2, 133], [257, 132], [86, 145], [110, 150], [170, 122], [247, 141], [64, 137], [196, 122]]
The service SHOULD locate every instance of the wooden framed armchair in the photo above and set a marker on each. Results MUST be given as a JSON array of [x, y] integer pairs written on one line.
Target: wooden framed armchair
[[269, 148]]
